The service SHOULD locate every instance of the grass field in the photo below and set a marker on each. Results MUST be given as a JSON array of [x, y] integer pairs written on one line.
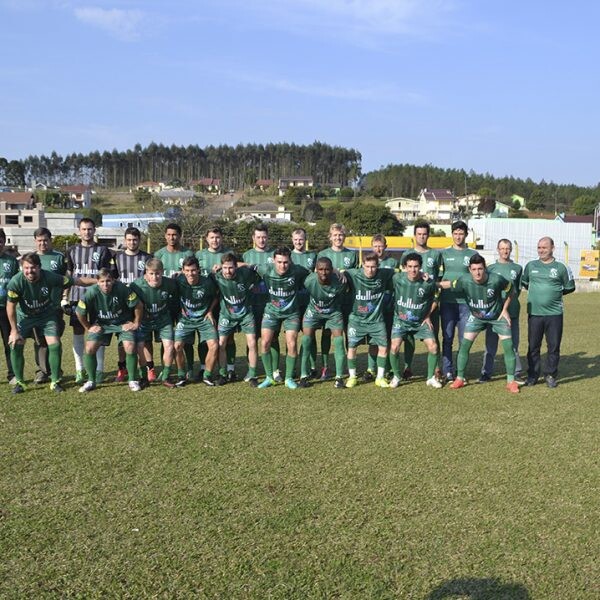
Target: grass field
[[321, 493]]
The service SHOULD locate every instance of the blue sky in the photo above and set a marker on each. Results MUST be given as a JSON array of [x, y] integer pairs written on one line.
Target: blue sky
[[509, 88]]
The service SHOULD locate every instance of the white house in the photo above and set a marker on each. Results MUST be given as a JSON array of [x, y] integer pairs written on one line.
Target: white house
[[265, 211]]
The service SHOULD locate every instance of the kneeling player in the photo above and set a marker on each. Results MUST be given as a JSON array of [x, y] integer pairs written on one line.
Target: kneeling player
[[109, 307], [414, 303]]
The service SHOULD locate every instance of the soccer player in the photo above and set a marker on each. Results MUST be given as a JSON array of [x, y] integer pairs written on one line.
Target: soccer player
[[198, 298], [8, 268], [160, 298], [512, 272], [173, 254], [283, 280], [33, 290], [487, 297], [54, 261], [547, 281], [414, 303], [235, 284], [453, 310], [366, 322], [131, 263], [341, 258], [84, 261], [326, 291], [109, 307]]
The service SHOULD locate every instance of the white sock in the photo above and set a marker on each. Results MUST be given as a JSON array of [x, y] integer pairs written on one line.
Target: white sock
[[351, 372], [380, 372], [78, 351], [100, 359]]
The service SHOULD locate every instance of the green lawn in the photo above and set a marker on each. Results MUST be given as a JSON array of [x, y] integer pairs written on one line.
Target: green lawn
[[364, 493]]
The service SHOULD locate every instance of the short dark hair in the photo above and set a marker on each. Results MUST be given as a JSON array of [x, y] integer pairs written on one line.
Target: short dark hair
[[132, 231], [41, 232], [190, 261], [87, 220], [325, 261], [229, 257], [214, 229], [412, 256], [370, 257], [32, 258], [422, 225], [477, 259], [261, 227], [459, 225], [282, 251], [174, 227]]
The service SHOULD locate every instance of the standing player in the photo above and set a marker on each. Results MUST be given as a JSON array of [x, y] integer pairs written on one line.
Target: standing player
[[368, 288], [341, 258], [173, 253], [511, 271], [488, 297], [131, 263], [326, 291], [109, 307], [546, 281], [414, 303], [33, 290], [453, 309], [84, 261], [8, 268]]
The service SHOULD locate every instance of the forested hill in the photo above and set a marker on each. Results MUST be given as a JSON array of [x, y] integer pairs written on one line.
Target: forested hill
[[408, 180], [234, 166]]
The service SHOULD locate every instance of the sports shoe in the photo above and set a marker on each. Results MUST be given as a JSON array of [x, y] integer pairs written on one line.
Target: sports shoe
[[221, 380], [313, 374], [18, 388], [99, 377], [12, 381], [304, 382], [268, 382], [151, 375], [168, 384], [382, 382], [434, 383], [41, 377], [56, 387], [449, 376], [290, 384], [351, 382], [277, 378], [231, 377], [395, 382], [513, 387], [339, 383], [79, 376], [531, 381], [134, 386], [407, 374], [144, 383], [324, 374], [88, 386], [551, 381], [520, 379], [252, 381], [121, 375], [181, 382], [458, 383], [368, 376], [483, 378], [208, 382]]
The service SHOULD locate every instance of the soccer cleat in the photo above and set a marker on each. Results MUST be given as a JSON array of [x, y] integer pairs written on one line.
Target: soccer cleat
[[395, 382], [79, 376], [231, 377], [382, 382], [18, 388], [88, 386], [352, 382], [41, 377], [434, 383], [252, 381], [520, 379], [339, 383], [277, 378], [313, 374], [551, 382], [168, 384], [531, 381], [458, 383], [121, 375], [512, 387], [56, 387], [407, 374], [368, 376], [221, 380], [181, 382], [208, 382], [290, 384], [449, 376], [99, 377], [134, 386], [304, 382], [484, 378], [268, 382], [324, 374], [151, 375]]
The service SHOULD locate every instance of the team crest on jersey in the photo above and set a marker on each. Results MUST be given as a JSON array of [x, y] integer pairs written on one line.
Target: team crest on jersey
[[95, 257], [270, 260], [7, 267], [310, 262], [377, 283], [490, 293], [554, 273], [164, 295], [347, 261], [466, 261], [421, 292], [44, 291], [241, 287], [180, 262], [115, 300], [199, 294], [351, 332], [53, 265], [141, 265], [430, 262], [291, 280], [513, 274]]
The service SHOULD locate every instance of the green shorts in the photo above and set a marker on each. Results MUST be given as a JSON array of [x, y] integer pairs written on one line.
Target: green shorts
[[104, 338], [401, 329], [185, 331], [162, 330], [373, 333], [229, 323], [499, 326], [44, 325], [274, 323], [317, 320]]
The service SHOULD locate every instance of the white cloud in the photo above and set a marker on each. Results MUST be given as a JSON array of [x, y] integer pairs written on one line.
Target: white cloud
[[122, 24]]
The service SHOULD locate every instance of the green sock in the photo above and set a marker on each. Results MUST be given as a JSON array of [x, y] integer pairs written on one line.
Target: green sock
[[223, 371], [164, 374], [371, 361], [432, 361], [463, 357], [267, 364], [409, 351], [510, 360], [313, 353], [17, 360], [275, 353], [381, 362], [90, 362], [305, 355], [207, 374], [339, 353], [131, 362], [395, 362], [181, 373], [290, 365], [251, 372], [54, 359]]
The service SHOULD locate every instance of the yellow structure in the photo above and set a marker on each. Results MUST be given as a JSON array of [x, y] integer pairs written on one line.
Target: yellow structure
[[588, 264]]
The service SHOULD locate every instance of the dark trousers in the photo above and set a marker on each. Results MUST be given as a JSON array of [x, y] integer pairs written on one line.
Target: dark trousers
[[537, 327], [5, 331]]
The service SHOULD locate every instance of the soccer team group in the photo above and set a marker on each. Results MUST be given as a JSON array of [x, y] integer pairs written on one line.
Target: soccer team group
[[187, 300]]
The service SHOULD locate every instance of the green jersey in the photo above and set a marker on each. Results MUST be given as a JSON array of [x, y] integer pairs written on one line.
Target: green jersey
[[9, 267], [485, 300], [114, 308], [305, 259], [159, 301], [283, 289], [413, 299], [455, 263], [368, 294], [432, 263], [37, 298], [546, 284], [236, 291], [325, 299], [209, 258], [259, 258], [173, 261], [196, 299], [342, 259], [511, 271], [54, 261], [388, 262]]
